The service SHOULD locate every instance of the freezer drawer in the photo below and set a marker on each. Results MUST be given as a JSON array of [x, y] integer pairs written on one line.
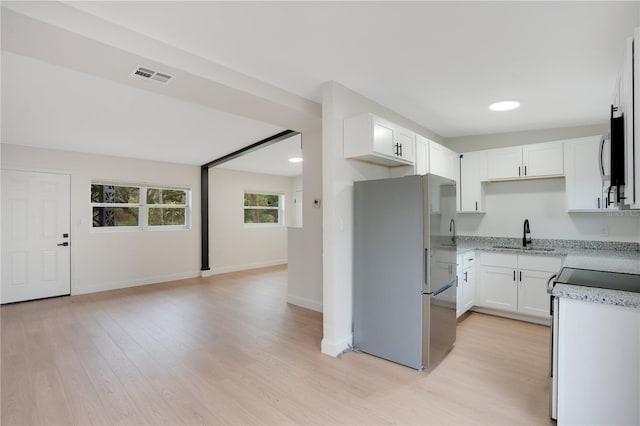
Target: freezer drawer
[[439, 325]]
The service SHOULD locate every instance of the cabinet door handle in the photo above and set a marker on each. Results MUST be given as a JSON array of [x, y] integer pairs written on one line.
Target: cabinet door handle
[[520, 276], [525, 170], [465, 277], [514, 275], [598, 202], [602, 162], [519, 170], [476, 206], [549, 285]]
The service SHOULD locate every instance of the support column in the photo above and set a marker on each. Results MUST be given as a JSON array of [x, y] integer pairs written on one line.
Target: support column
[[204, 217]]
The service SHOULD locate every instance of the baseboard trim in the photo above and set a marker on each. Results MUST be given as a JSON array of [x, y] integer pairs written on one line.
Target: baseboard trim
[[515, 316], [133, 283], [245, 267], [335, 348], [304, 302]]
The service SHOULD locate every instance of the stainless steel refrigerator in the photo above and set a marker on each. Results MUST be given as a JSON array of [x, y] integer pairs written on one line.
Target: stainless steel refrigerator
[[405, 269]]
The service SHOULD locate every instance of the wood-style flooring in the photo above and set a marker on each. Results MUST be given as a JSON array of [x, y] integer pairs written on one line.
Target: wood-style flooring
[[229, 350]]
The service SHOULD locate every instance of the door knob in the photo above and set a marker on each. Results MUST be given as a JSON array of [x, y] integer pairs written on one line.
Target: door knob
[[65, 244]]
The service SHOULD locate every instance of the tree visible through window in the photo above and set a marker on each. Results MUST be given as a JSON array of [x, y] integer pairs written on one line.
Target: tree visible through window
[[115, 205], [139, 207], [166, 206], [262, 208]]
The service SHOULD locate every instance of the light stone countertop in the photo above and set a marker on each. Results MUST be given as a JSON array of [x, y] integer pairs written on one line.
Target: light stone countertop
[[597, 295], [592, 255]]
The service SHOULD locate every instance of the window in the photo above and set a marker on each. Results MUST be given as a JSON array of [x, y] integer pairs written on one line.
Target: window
[[139, 207], [166, 207], [263, 209]]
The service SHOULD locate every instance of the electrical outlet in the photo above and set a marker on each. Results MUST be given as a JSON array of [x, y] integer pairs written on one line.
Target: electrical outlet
[[317, 203], [604, 231]]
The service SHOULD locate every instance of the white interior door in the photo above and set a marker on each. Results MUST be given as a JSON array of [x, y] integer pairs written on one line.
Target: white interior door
[[35, 227]]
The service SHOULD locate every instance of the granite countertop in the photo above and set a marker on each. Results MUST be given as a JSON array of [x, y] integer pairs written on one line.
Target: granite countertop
[[597, 295], [596, 255], [465, 247], [606, 256]]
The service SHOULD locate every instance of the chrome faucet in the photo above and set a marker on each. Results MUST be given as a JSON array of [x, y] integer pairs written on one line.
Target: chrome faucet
[[526, 238]]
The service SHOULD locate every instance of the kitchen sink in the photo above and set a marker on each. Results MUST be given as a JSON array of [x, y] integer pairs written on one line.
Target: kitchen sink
[[523, 248]]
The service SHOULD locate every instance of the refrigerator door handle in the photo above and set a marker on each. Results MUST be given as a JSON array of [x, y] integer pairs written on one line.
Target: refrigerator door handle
[[443, 289], [426, 268]]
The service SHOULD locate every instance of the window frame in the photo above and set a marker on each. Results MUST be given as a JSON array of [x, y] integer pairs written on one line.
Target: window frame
[[143, 208], [280, 209]]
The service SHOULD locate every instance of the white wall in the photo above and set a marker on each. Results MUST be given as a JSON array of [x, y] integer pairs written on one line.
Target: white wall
[[542, 201], [232, 245], [500, 140], [338, 176], [305, 244], [296, 185], [109, 260]]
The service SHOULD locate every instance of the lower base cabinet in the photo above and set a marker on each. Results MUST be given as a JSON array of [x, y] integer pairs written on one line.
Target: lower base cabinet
[[498, 288], [516, 283], [533, 298], [466, 273]]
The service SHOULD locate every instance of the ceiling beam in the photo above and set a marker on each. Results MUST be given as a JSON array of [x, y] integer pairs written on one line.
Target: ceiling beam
[[253, 147]]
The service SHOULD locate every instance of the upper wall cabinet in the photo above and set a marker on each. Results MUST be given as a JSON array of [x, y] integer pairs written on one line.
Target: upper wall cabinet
[[528, 161], [473, 170], [370, 138], [504, 163], [582, 168], [422, 155], [543, 159], [443, 161]]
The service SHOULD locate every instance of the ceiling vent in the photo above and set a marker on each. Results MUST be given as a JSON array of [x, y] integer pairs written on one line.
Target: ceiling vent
[[149, 74]]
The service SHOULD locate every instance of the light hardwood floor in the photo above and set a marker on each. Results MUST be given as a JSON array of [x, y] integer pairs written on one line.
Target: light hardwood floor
[[229, 350]]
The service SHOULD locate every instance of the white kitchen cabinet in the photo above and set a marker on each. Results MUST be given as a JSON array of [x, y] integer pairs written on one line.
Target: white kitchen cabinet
[[468, 281], [533, 298], [443, 161], [527, 161], [583, 181], [383, 139], [597, 366], [629, 103], [404, 146], [459, 295], [504, 163], [473, 165], [373, 139], [543, 159], [516, 283], [498, 288], [422, 155], [466, 274]]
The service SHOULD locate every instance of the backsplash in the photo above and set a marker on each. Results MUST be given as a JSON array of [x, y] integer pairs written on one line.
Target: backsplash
[[550, 243]]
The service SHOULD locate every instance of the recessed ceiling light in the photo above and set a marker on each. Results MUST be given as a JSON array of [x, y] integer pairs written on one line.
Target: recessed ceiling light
[[295, 160], [504, 105]]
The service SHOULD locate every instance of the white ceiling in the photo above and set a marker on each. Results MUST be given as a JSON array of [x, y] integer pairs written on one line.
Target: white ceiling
[[437, 63], [272, 160], [53, 107]]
